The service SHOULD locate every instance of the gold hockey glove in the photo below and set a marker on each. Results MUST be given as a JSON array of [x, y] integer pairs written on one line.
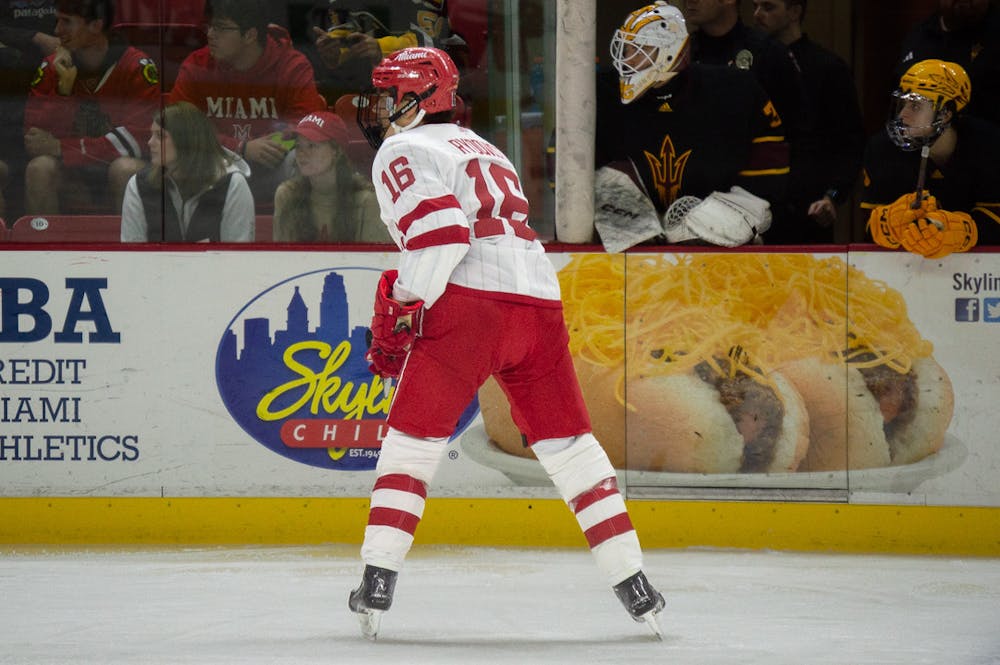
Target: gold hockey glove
[[886, 223], [940, 233]]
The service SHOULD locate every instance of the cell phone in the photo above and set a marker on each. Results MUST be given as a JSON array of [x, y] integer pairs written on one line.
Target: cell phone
[[279, 138], [341, 31]]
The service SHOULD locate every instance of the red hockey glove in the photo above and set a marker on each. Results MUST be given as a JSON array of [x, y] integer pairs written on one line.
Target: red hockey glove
[[394, 326], [940, 233]]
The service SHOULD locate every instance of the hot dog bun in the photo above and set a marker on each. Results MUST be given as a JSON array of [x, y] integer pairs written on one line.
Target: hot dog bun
[[606, 414], [692, 355], [680, 425], [848, 428]]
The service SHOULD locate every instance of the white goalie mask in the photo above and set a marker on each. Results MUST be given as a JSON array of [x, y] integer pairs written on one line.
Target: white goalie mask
[[649, 49]]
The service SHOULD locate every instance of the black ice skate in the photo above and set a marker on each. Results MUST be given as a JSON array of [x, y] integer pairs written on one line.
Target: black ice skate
[[372, 598], [641, 600]]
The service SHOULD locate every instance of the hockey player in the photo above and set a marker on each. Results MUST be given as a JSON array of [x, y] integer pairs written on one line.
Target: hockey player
[[474, 296], [930, 179], [688, 129], [966, 32]]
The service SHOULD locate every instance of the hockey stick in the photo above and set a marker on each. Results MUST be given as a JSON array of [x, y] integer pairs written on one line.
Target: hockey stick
[[918, 199], [921, 177]]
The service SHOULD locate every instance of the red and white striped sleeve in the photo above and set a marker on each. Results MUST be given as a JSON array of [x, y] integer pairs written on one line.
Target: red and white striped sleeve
[[425, 217]]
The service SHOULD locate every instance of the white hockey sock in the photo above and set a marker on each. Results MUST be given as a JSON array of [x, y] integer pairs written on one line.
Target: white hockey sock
[[405, 466], [602, 516], [582, 473]]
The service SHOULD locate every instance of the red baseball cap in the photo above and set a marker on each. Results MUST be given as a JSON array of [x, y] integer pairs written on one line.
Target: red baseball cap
[[322, 126]]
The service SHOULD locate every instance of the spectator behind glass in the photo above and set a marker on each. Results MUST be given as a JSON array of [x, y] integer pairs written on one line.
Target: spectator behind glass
[[350, 37], [87, 115], [252, 85], [27, 35], [723, 39], [195, 190], [966, 32], [687, 129], [960, 193], [826, 155], [328, 200]]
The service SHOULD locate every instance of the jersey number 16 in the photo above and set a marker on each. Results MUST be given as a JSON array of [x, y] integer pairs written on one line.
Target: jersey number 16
[[513, 206]]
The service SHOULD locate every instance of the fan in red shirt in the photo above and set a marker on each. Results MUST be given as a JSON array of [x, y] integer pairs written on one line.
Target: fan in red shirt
[[87, 116], [253, 85]]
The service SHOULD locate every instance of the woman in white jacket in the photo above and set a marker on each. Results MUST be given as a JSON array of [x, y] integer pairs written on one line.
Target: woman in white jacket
[[195, 190]]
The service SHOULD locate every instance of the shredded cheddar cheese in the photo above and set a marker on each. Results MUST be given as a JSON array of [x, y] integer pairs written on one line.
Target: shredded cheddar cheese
[[753, 311]]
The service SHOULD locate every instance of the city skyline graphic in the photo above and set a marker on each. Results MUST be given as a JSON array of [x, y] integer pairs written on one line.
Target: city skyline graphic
[[247, 373]]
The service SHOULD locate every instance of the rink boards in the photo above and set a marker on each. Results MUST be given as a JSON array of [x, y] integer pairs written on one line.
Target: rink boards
[[193, 395], [819, 527]]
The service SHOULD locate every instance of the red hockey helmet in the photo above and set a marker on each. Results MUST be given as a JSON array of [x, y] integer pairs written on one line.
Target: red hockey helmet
[[421, 77], [427, 73]]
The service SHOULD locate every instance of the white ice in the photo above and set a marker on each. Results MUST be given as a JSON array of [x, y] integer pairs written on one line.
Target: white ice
[[249, 606]]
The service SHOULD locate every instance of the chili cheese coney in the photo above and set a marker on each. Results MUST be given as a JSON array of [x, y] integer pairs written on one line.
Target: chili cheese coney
[[695, 401], [875, 395], [745, 363]]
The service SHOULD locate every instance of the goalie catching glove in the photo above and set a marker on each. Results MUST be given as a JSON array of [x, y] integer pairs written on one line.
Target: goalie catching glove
[[926, 230], [394, 327], [728, 219]]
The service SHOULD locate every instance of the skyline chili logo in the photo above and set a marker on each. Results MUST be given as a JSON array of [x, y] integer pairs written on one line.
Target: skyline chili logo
[[306, 392]]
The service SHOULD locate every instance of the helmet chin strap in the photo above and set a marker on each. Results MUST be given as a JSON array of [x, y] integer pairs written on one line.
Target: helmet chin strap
[[410, 102], [399, 129]]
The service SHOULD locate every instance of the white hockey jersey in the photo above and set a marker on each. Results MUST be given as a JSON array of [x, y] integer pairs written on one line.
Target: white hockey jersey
[[454, 205]]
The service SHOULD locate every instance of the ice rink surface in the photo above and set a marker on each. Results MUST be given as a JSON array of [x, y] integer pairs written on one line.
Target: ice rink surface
[[250, 606]]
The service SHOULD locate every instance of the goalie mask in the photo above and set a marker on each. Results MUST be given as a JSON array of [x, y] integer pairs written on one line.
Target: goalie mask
[[649, 49], [415, 77], [929, 95]]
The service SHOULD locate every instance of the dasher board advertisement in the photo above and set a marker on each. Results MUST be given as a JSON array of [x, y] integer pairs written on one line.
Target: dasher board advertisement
[[236, 373]]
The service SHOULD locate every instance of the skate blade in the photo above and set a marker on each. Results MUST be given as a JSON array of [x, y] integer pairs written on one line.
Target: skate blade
[[653, 622], [370, 624]]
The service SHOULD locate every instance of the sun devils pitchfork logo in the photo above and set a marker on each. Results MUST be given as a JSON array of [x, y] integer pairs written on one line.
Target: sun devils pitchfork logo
[[668, 171]]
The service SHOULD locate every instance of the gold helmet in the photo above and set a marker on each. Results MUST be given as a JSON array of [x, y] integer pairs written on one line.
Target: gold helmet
[[939, 81], [649, 49], [929, 95]]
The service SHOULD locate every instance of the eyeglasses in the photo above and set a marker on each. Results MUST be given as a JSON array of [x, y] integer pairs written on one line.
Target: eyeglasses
[[220, 27]]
